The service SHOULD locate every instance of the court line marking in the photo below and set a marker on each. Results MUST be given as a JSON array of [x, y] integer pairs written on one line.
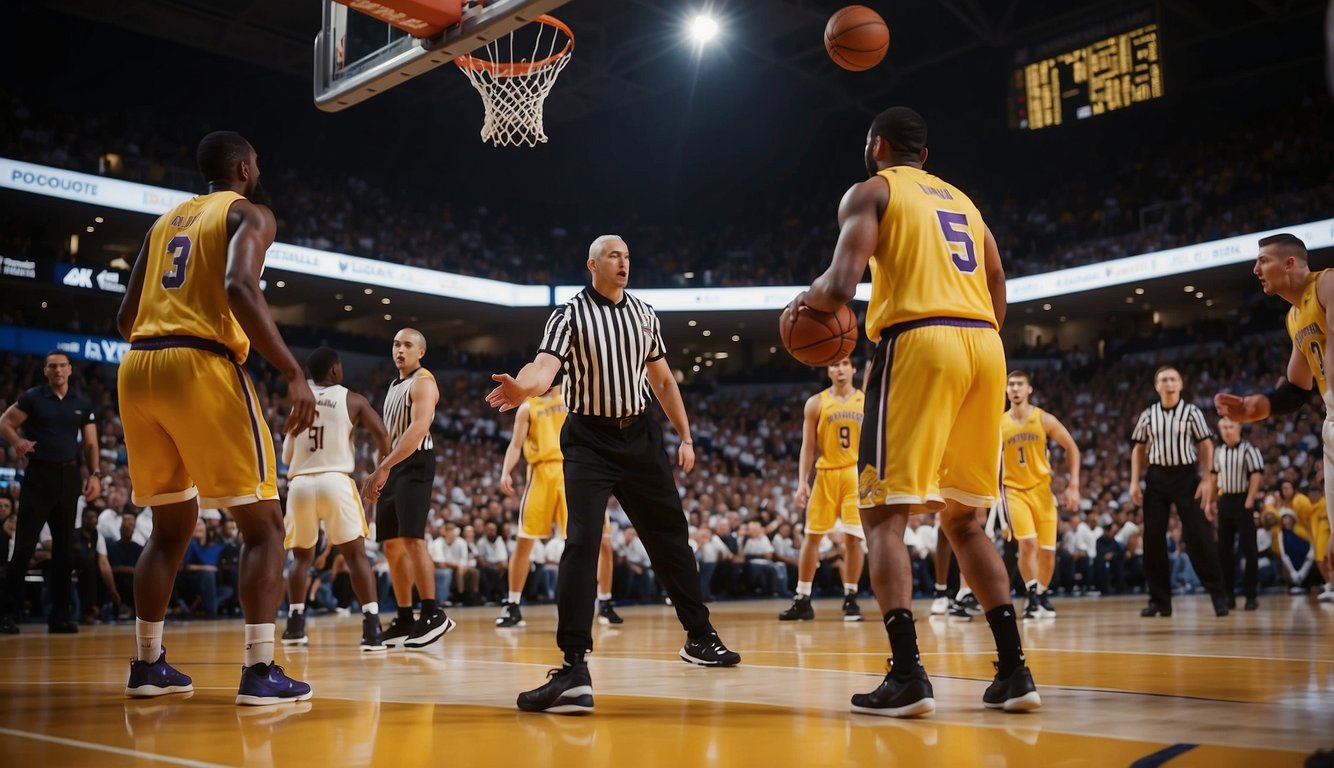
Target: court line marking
[[64, 742]]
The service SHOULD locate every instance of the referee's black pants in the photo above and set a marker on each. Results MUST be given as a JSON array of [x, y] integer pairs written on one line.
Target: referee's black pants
[[1165, 487], [50, 496], [1234, 520], [602, 459]]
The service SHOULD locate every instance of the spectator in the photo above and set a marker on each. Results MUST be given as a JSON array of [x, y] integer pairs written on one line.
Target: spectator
[[123, 555]]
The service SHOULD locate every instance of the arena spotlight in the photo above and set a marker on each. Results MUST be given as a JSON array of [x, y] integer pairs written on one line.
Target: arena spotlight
[[703, 29]]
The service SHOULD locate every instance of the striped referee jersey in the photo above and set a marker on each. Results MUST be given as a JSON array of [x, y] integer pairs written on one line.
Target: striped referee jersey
[[606, 348], [1234, 465], [1172, 434], [398, 408]]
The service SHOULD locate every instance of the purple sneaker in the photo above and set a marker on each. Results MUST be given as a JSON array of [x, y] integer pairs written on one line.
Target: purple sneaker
[[264, 684], [156, 679]]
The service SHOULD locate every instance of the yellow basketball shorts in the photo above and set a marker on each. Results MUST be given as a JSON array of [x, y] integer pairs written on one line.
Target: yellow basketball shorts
[[834, 496], [194, 427], [1032, 514], [934, 398], [331, 497], [543, 501]]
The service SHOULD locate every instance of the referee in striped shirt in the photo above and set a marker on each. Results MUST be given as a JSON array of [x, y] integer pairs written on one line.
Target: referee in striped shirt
[[1238, 466], [610, 345], [1173, 437]]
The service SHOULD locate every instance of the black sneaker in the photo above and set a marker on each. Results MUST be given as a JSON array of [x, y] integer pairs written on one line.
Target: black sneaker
[[909, 696], [1220, 606], [969, 603], [510, 616], [1015, 693], [607, 613], [397, 633], [1045, 608], [957, 611], [295, 634], [1251, 604], [429, 628], [372, 638], [568, 691], [709, 651], [851, 611], [800, 610], [1032, 609], [1154, 609]]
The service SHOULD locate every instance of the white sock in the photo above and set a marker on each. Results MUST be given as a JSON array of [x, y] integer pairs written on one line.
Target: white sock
[[804, 588], [259, 644], [849, 589], [1031, 585], [148, 634], [964, 592], [1042, 588], [296, 608], [604, 596], [942, 587], [515, 597], [371, 609]]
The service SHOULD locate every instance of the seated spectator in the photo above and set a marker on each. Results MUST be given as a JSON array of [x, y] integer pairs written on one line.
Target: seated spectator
[[198, 582], [786, 553], [640, 582], [96, 584], [828, 578], [548, 569], [758, 572], [492, 564], [1296, 555], [1183, 577], [123, 554], [455, 568]]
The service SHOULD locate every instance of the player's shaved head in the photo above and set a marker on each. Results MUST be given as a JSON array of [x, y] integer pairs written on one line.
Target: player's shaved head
[[219, 153], [413, 335], [1290, 244]]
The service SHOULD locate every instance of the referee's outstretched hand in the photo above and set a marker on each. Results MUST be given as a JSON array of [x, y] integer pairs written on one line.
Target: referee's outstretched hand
[[507, 395]]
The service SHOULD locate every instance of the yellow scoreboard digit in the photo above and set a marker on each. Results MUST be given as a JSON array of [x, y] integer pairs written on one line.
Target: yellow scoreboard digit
[[1105, 75]]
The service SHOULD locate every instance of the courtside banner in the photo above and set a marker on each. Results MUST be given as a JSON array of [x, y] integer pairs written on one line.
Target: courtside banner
[[337, 266], [86, 188]]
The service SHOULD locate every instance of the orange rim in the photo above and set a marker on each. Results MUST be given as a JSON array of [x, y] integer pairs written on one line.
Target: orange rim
[[512, 69]]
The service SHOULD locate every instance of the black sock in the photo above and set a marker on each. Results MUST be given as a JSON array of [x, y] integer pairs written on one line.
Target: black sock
[[902, 640], [1006, 631], [429, 607], [573, 658], [405, 615]]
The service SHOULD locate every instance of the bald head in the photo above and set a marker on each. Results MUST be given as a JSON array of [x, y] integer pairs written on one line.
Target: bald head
[[409, 346]]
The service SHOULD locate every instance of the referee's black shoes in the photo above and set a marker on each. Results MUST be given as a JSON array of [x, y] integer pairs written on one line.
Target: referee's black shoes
[[1220, 605], [1155, 609], [709, 651], [568, 691]]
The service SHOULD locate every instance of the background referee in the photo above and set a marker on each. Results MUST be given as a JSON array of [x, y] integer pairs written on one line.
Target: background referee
[[610, 344], [1238, 466], [53, 418], [1173, 436]]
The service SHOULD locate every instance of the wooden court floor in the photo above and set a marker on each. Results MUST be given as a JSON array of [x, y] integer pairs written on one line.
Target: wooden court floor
[[1254, 689]]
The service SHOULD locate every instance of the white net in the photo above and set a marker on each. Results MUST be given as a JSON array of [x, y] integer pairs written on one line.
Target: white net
[[513, 74]]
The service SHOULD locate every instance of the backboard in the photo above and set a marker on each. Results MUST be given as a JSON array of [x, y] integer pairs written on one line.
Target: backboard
[[358, 56]]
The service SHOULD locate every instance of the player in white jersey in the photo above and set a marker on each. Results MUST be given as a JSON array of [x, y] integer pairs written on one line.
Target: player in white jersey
[[320, 490]]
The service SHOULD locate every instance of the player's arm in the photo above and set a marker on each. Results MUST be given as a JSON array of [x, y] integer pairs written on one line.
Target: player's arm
[[810, 426], [858, 230], [995, 277], [514, 449], [364, 416], [1290, 395], [129, 306], [1057, 431], [10, 422], [533, 379], [252, 228], [425, 395], [669, 397]]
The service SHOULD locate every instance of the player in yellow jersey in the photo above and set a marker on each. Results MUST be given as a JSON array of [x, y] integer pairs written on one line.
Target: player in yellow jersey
[[194, 430], [1283, 269], [832, 428], [537, 427], [1025, 479], [931, 437]]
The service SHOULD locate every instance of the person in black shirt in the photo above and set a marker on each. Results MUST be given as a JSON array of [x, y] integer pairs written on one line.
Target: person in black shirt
[[54, 419], [123, 555]]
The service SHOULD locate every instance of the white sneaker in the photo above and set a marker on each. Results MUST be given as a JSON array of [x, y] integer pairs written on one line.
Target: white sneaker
[[940, 606], [1327, 596]]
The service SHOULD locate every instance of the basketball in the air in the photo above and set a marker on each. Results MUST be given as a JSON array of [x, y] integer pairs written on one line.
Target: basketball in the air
[[819, 338], [856, 38]]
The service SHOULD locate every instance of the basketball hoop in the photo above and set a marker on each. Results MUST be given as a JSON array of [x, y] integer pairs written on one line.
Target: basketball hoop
[[514, 87]]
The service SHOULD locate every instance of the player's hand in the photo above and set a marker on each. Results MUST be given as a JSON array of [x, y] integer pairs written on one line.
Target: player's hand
[[92, 487], [789, 316], [370, 490], [685, 456], [1071, 498], [1136, 493], [24, 447], [507, 484], [303, 407], [802, 497], [1236, 408], [507, 395]]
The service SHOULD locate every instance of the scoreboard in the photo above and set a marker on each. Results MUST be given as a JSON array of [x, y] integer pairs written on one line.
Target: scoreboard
[[1111, 71]]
